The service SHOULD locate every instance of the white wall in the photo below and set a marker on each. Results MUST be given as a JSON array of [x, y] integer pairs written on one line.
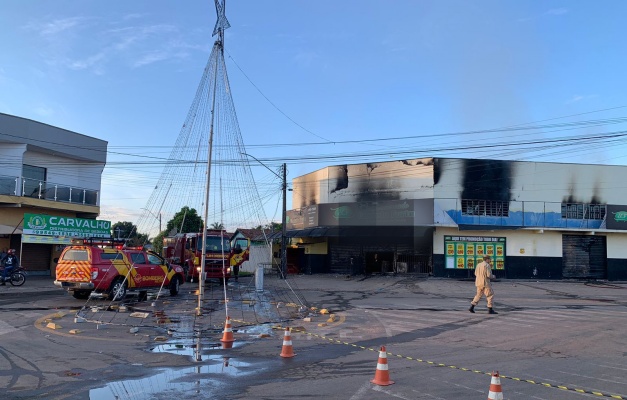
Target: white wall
[[393, 180], [616, 246], [11, 156], [545, 182], [519, 243], [258, 255], [65, 171]]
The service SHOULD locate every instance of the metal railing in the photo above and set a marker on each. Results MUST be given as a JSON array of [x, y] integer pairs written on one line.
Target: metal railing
[[44, 190], [526, 214]]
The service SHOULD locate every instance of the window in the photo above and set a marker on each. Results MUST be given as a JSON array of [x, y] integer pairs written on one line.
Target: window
[[138, 258], [486, 208], [111, 256], [583, 211], [154, 260], [32, 177], [76, 255]]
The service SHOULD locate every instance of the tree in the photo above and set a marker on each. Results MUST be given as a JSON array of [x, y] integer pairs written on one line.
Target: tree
[[272, 227], [128, 231], [186, 220], [217, 225]]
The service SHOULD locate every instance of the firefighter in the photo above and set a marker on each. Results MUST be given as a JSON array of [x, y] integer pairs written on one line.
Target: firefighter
[[483, 274]]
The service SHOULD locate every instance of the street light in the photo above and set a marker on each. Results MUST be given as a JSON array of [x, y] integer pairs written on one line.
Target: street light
[[283, 219], [158, 218]]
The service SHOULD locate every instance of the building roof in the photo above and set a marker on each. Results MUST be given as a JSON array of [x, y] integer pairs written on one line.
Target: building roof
[[49, 139]]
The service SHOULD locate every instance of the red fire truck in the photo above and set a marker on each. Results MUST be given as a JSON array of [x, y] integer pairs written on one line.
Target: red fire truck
[[221, 256]]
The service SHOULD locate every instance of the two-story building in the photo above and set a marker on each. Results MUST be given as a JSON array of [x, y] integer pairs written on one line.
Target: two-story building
[[46, 171], [439, 216]]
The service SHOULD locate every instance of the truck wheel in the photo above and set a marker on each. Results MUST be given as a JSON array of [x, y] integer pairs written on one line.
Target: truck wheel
[[174, 286], [118, 289], [81, 294]]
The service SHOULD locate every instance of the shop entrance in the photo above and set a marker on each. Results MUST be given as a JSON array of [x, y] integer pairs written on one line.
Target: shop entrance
[[584, 257], [379, 262]]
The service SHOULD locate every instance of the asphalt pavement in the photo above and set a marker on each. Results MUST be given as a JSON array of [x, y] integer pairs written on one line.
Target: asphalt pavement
[[552, 340]]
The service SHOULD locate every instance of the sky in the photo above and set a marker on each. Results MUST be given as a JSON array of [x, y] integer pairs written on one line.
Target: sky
[[323, 83]]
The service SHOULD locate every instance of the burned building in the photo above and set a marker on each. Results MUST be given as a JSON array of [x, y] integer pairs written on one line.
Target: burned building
[[439, 216]]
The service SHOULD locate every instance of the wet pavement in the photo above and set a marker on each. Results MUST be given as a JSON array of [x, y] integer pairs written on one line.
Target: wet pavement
[[163, 347]]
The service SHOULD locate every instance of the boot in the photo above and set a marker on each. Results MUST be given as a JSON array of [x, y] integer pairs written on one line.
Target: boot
[[472, 308], [491, 311]]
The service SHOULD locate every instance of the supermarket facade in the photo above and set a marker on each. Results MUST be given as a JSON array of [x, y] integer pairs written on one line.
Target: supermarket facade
[[439, 216]]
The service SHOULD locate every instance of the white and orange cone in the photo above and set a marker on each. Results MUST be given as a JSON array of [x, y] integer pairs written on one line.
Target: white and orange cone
[[382, 376], [495, 392], [287, 350], [227, 336]]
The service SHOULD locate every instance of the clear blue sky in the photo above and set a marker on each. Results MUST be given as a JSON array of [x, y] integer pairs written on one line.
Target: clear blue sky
[[318, 72]]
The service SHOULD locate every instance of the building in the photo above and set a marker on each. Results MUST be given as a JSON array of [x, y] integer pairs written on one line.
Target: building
[[48, 175], [439, 216]]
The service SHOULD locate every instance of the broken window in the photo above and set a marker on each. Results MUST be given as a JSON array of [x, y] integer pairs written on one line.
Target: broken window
[[583, 211], [487, 208]]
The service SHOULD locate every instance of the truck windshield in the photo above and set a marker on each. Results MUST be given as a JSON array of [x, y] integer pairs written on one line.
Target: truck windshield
[[214, 246]]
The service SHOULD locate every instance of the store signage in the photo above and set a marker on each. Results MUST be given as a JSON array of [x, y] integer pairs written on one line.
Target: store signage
[[616, 217], [50, 225], [465, 252]]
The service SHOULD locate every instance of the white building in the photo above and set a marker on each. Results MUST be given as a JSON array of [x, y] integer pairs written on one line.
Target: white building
[[45, 171], [440, 216]]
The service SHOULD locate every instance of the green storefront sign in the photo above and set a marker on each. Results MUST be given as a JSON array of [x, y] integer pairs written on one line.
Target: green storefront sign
[[50, 225]]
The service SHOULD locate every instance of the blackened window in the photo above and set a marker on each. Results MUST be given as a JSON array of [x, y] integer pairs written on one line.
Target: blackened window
[[487, 208], [583, 211]]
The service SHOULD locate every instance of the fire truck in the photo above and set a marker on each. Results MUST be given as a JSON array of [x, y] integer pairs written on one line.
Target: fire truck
[[222, 256]]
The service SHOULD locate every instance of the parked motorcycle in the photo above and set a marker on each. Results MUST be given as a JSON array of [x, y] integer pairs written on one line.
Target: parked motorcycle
[[17, 277]]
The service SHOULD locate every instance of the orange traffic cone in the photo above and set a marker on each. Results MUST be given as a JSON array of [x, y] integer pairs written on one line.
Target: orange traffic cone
[[495, 392], [382, 376], [227, 336], [287, 350]]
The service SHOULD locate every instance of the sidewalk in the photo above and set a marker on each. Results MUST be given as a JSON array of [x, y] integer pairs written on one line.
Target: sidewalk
[[33, 284]]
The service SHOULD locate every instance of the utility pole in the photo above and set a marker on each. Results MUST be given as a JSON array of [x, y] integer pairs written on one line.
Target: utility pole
[[283, 226], [283, 267]]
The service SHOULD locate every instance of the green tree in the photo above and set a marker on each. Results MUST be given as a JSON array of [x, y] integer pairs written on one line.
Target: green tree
[[217, 225], [272, 227], [186, 221], [128, 231]]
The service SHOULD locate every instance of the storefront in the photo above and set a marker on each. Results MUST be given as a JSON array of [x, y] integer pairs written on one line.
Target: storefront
[[45, 236]]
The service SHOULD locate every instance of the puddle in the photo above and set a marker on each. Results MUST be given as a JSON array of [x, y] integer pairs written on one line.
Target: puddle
[[191, 349], [257, 330], [171, 383]]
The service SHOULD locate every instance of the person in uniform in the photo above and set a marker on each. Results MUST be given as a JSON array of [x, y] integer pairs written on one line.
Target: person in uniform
[[483, 274]]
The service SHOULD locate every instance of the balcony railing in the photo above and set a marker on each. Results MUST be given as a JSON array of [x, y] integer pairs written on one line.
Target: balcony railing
[[525, 214], [24, 187]]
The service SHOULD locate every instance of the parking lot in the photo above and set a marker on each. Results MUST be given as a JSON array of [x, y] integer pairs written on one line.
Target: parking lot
[[550, 340]]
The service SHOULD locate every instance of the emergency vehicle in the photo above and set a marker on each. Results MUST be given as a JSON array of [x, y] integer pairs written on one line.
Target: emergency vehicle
[[113, 271], [222, 256]]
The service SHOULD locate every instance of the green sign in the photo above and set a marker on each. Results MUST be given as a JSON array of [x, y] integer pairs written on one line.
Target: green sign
[[50, 225]]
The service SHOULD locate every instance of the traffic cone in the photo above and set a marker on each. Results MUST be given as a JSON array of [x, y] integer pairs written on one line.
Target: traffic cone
[[495, 392], [382, 376], [227, 336], [287, 350]]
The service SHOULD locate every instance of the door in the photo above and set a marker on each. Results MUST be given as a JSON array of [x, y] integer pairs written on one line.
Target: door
[[584, 257]]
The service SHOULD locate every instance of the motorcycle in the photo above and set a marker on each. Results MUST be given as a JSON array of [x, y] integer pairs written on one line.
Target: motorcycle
[[17, 277]]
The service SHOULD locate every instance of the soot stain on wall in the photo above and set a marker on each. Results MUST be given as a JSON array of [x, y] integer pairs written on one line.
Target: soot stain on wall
[[487, 180], [377, 189], [342, 178], [572, 199], [437, 170]]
